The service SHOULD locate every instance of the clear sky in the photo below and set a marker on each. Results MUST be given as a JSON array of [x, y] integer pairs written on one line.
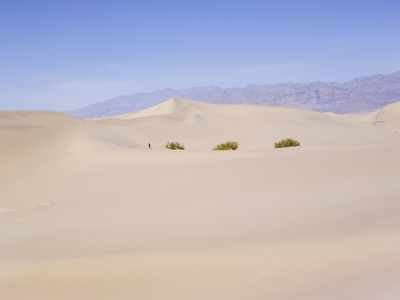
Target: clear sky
[[62, 55]]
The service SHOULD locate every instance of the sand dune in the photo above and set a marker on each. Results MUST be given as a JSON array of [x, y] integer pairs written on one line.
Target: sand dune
[[88, 212]]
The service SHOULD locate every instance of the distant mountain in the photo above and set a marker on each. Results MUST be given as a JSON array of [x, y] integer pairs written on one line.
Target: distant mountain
[[358, 95]]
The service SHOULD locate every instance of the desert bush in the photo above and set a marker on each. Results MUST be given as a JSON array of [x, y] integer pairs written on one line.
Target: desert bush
[[174, 146], [287, 143], [227, 146]]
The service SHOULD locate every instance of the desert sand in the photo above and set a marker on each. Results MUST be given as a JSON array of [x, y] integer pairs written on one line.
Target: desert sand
[[88, 212]]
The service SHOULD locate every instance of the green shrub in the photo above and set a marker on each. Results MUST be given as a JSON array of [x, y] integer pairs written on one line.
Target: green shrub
[[174, 146], [227, 146], [287, 143]]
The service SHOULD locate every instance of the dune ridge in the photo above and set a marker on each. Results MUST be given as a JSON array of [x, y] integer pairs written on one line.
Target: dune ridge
[[88, 212]]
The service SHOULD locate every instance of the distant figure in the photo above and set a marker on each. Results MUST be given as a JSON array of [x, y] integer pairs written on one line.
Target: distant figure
[[149, 146]]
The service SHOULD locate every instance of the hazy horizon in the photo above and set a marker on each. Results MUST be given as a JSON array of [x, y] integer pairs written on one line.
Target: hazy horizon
[[62, 56]]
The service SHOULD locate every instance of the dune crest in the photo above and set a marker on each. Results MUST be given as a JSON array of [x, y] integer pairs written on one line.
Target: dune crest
[[390, 115]]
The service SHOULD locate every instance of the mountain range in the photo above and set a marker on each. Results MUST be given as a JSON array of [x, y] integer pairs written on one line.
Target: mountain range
[[359, 95]]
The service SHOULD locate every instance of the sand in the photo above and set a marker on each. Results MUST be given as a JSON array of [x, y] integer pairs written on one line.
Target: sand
[[88, 212]]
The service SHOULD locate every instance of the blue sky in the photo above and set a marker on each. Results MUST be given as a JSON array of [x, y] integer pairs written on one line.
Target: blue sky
[[62, 55]]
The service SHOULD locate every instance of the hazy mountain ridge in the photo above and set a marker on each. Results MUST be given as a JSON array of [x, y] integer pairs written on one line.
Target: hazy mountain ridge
[[358, 95]]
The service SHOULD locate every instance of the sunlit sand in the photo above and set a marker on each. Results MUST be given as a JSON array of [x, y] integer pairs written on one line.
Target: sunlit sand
[[87, 211]]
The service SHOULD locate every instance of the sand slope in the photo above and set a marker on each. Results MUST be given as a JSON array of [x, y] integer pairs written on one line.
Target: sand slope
[[88, 212]]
